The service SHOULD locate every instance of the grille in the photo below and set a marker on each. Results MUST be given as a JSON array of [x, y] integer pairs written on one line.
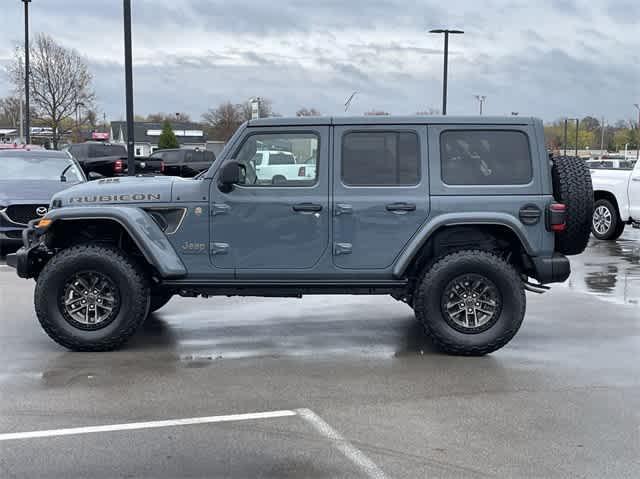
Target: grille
[[23, 213]]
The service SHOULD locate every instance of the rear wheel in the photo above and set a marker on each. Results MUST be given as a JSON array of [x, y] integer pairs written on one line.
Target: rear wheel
[[91, 298], [470, 303], [606, 223]]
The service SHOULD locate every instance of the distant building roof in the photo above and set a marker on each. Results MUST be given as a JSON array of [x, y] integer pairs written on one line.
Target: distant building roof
[[149, 131]]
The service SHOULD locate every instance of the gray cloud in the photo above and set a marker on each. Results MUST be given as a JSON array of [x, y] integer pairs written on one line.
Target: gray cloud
[[547, 58]]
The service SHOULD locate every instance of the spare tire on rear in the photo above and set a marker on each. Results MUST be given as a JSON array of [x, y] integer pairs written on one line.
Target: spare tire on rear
[[572, 186]]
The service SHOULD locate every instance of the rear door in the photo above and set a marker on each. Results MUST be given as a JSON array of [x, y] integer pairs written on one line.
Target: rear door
[[381, 193]]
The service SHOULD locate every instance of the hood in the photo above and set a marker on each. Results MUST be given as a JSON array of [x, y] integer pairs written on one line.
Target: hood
[[38, 191], [121, 190]]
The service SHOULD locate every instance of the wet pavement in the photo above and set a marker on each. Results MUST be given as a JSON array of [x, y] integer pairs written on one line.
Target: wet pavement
[[560, 400]]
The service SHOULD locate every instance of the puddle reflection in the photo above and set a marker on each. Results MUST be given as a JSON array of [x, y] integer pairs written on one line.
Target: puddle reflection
[[609, 269]]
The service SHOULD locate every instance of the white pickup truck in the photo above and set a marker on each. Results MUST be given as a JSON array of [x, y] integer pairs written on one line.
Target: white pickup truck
[[617, 200], [275, 166]]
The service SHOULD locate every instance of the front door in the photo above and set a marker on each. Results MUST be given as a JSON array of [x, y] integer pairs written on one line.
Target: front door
[[381, 193], [279, 223]]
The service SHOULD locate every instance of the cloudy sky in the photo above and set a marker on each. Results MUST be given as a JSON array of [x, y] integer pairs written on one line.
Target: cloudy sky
[[548, 58]]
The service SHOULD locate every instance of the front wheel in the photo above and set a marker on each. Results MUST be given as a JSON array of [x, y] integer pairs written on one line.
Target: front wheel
[[470, 303], [606, 223], [91, 298]]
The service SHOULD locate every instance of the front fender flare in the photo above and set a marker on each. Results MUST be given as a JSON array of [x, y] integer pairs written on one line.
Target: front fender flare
[[456, 219], [146, 234]]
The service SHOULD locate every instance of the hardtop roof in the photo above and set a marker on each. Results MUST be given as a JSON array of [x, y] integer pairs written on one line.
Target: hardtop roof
[[392, 120]]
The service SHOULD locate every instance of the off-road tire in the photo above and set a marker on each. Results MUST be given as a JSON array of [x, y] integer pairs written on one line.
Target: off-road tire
[[431, 289], [572, 186], [133, 288], [617, 225], [158, 300]]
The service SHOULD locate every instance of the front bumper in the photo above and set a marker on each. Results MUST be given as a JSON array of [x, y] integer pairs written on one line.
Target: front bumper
[[28, 260], [551, 269]]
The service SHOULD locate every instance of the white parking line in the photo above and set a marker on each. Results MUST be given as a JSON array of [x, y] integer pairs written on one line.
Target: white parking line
[[145, 425], [352, 453]]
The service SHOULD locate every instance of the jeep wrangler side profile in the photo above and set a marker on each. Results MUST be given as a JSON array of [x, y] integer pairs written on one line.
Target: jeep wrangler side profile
[[455, 216]]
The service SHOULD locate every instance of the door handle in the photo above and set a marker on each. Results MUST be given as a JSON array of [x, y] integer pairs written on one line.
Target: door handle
[[637, 178], [401, 207], [307, 207]]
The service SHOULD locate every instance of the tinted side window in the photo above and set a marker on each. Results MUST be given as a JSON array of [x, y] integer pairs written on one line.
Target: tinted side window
[[485, 157], [380, 158]]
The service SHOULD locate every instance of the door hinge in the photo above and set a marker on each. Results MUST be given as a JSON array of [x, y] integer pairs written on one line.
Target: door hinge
[[220, 209], [342, 248], [219, 248]]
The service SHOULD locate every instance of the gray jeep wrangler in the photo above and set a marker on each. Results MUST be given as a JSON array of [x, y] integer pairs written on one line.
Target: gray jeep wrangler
[[456, 217]]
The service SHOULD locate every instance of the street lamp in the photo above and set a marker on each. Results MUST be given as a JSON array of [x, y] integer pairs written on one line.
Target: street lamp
[[446, 62], [638, 132], [481, 99], [26, 72], [566, 123], [128, 74]]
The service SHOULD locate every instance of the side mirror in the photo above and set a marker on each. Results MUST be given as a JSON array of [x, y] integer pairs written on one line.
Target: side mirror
[[230, 175], [94, 175]]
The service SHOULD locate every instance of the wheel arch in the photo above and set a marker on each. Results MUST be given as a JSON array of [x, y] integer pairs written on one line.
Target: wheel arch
[[452, 233], [139, 228], [607, 195]]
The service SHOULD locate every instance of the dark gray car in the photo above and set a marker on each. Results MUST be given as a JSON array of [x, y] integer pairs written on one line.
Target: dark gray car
[[456, 217], [28, 181]]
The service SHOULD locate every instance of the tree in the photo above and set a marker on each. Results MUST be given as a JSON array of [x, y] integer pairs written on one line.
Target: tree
[[10, 111], [590, 123], [376, 113], [308, 112], [428, 112], [223, 121], [167, 138], [60, 81]]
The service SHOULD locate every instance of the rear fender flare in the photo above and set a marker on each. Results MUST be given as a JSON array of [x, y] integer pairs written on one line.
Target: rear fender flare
[[457, 219], [142, 229]]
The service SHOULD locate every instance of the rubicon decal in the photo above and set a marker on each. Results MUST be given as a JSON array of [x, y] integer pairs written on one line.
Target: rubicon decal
[[115, 198]]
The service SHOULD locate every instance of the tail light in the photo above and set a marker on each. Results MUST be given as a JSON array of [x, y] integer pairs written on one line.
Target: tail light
[[162, 167], [302, 171], [557, 217], [118, 167]]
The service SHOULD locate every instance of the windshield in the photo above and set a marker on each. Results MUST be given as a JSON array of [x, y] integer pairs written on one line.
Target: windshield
[[43, 168]]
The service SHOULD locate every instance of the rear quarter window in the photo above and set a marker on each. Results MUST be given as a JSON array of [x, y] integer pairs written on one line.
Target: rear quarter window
[[485, 157]]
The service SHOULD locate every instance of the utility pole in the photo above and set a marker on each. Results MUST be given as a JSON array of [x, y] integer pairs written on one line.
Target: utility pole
[[446, 62], [565, 137], [481, 99], [128, 73], [27, 129], [602, 126], [637, 105]]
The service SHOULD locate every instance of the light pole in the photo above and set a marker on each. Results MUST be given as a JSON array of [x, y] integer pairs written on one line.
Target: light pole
[[128, 74], [446, 62], [481, 99], [566, 122], [637, 132], [27, 128]]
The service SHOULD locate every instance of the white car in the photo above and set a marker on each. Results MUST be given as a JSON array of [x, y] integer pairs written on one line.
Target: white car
[[275, 166], [617, 200]]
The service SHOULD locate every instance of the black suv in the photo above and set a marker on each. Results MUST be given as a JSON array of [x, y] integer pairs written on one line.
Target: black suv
[[183, 162]]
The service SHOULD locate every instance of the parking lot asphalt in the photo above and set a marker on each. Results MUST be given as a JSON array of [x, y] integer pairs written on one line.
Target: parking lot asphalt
[[353, 389]]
